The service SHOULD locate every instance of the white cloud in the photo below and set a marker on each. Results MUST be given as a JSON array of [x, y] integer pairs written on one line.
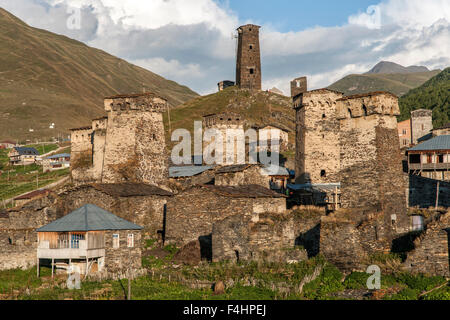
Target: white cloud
[[190, 41]]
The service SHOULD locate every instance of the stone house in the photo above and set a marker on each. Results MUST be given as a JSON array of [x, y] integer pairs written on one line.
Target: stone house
[[56, 162], [222, 85], [23, 156], [442, 131], [431, 159], [242, 174], [21, 200], [139, 203], [92, 238], [192, 212], [278, 131], [421, 125], [185, 176]]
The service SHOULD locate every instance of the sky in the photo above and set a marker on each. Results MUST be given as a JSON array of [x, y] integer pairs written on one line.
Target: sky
[[191, 41]]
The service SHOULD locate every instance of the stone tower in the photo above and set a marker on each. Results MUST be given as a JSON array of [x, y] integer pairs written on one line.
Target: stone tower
[[317, 136], [135, 147], [248, 61], [421, 124]]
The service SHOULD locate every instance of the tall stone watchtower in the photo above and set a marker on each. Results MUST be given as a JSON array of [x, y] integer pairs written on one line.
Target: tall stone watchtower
[[135, 147], [421, 125], [248, 61]]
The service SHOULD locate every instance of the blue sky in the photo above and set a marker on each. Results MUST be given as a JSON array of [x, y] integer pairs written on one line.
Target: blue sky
[[295, 15], [189, 41]]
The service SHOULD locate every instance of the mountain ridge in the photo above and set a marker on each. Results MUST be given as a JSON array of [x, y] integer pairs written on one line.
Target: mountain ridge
[[49, 78]]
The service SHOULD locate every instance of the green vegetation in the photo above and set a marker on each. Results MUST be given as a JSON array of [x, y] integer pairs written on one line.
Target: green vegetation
[[433, 95], [43, 148], [257, 109], [15, 180], [48, 78]]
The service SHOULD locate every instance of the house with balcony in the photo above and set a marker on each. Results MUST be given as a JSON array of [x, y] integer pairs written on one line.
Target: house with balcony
[[23, 156], [92, 239], [431, 159], [56, 162]]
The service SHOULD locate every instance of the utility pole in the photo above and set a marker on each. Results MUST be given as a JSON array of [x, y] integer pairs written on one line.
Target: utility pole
[[129, 273], [437, 196]]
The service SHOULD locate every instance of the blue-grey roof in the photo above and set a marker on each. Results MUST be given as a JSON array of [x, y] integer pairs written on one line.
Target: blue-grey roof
[[89, 218], [26, 151], [187, 171], [437, 143], [61, 155]]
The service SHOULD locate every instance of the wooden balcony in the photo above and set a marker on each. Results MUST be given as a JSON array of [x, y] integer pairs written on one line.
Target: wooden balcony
[[429, 166], [68, 250]]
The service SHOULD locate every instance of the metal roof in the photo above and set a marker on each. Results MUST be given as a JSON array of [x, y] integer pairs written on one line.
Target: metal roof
[[187, 171], [61, 155], [437, 143], [279, 171], [89, 218]]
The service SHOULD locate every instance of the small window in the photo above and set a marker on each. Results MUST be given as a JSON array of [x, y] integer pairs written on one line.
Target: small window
[[404, 131], [251, 47], [252, 71], [324, 116], [422, 127], [130, 240], [323, 173], [349, 112], [116, 243]]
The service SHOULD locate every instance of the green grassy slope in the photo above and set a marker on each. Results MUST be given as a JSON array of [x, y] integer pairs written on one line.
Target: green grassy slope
[[258, 109], [397, 83], [48, 78], [433, 95]]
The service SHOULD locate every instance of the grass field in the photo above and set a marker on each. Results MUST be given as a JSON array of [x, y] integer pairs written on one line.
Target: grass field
[[331, 284], [43, 148], [15, 180]]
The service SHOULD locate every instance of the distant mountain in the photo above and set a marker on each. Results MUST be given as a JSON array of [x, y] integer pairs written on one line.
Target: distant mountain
[[433, 95], [48, 78], [385, 76], [386, 67]]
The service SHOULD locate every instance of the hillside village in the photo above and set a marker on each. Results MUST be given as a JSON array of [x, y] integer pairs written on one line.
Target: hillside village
[[352, 183]]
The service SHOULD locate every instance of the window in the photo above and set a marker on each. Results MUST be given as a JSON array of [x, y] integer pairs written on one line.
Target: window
[[252, 71], [323, 173], [324, 116], [404, 131], [130, 240], [251, 47], [422, 127], [365, 111], [349, 112], [116, 243]]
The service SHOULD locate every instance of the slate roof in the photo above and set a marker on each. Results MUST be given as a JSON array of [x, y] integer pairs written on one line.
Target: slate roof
[[89, 218], [437, 143], [248, 191], [187, 171], [26, 151], [445, 126], [129, 189], [32, 194], [233, 168]]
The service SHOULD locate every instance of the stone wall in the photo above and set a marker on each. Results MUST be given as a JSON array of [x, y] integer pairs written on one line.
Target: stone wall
[[317, 157], [431, 249], [135, 142], [251, 175], [18, 238], [122, 258], [262, 237], [192, 213], [248, 66], [421, 124], [422, 192]]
